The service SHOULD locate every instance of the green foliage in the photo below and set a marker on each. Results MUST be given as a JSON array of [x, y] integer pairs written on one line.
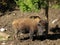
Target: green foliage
[[43, 3], [27, 5], [56, 6], [31, 5]]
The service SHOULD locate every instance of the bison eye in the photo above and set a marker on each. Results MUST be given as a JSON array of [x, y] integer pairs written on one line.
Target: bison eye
[[39, 24], [43, 22]]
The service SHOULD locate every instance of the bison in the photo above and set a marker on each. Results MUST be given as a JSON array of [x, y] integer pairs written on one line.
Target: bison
[[33, 26]]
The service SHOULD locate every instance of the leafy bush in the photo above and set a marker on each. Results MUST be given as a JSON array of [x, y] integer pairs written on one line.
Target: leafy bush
[[55, 6], [30, 5], [27, 5]]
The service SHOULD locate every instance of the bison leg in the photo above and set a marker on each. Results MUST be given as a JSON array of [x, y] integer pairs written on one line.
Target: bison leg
[[31, 34], [16, 34]]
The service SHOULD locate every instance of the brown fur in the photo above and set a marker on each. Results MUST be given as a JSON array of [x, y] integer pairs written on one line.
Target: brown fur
[[32, 24], [28, 23], [23, 22]]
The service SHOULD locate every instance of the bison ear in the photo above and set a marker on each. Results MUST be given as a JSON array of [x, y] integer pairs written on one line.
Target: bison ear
[[34, 17]]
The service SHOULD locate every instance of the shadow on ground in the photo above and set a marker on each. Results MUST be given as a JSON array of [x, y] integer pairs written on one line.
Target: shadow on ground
[[56, 29], [44, 37]]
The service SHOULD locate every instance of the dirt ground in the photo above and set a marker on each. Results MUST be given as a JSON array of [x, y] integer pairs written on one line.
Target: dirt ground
[[50, 39]]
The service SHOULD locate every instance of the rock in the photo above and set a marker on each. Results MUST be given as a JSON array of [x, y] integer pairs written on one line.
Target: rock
[[55, 20], [4, 36], [2, 29], [3, 43]]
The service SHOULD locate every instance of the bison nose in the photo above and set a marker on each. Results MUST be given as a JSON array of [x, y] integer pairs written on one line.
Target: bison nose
[[39, 24]]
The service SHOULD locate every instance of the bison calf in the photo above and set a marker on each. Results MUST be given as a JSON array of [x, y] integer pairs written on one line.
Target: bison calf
[[31, 25]]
